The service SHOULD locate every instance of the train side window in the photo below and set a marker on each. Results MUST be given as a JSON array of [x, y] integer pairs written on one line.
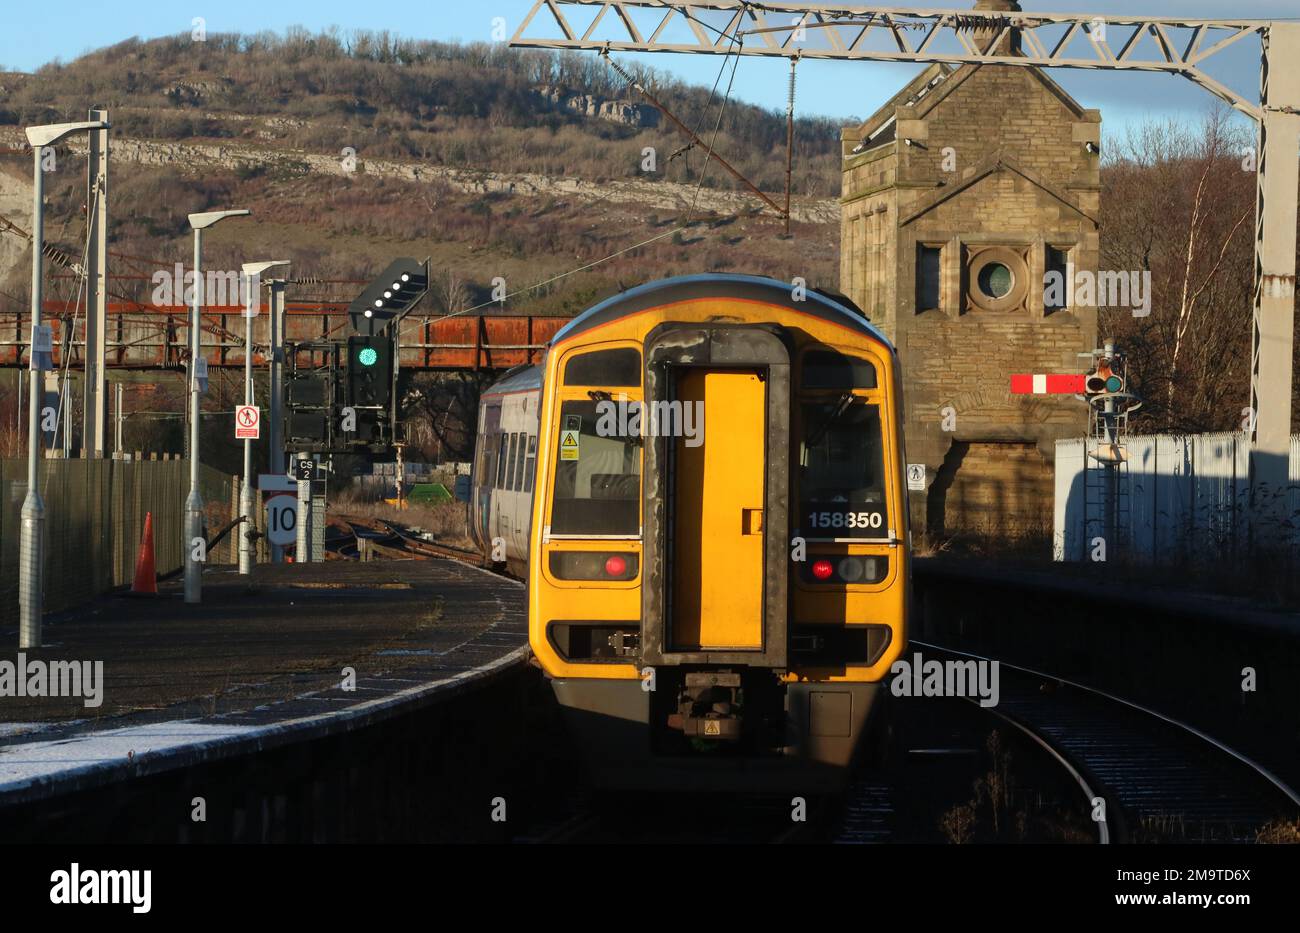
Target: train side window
[[829, 369], [501, 462], [510, 462], [519, 462], [597, 478], [620, 367], [530, 464]]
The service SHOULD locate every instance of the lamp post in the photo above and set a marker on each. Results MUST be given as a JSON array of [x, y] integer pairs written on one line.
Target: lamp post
[[275, 362], [252, 275], [194, 502], [31, 588]]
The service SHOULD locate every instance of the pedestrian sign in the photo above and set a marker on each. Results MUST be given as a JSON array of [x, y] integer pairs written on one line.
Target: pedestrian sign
[[248, 423], [568, 445]]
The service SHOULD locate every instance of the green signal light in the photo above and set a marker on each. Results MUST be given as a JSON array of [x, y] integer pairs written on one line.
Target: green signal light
[[368, 356]]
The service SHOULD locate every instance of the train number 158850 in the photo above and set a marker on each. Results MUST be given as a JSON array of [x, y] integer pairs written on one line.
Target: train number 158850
[[866, 520]]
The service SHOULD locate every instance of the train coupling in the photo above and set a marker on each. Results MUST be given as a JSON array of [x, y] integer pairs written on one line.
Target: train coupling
[[709, 706]]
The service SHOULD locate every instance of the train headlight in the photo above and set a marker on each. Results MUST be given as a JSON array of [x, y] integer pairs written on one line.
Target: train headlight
[[850, 569]]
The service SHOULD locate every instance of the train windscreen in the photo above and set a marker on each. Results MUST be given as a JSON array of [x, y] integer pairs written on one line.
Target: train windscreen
[[597, 478], [841, 470]]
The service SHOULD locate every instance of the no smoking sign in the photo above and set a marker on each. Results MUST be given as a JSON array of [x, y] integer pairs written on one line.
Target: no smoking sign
[[248, 423]]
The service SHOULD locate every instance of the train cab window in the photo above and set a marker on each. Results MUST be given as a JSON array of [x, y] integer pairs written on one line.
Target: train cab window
[[841, 470], [530, 464], [597, 479], [828, 369], [620, 367]]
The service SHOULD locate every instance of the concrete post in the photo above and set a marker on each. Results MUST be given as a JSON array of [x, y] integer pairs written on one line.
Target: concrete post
[[31, 590], [302, 553], [246, 492], [194, 502], [1275, 272], [95, 405]]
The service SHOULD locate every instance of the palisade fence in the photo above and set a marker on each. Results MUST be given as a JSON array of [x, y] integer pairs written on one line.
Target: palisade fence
[[94, 519], [1178, 499]]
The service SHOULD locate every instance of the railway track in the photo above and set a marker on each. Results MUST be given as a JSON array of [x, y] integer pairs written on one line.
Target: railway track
[[1162, 780], [391, 541]]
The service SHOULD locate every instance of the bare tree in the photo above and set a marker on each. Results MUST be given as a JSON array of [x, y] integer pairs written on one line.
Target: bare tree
[[1177, 202], [441, 414], [451, 291]]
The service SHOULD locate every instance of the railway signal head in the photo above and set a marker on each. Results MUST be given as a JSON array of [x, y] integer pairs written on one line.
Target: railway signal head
[[370, 370], [1104, 378], [390, 297]]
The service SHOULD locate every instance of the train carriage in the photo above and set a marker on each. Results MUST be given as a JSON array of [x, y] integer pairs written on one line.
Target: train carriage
[[718, 545], [505, 455]]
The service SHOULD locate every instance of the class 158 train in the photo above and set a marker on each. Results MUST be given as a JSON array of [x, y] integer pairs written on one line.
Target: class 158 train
[[703, 483]]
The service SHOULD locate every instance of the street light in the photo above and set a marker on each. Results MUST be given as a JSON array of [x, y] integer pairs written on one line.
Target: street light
[[194, 502], [252, 275], [31, 590]]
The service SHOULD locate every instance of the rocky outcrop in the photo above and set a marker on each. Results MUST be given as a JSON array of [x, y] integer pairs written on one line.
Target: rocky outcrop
[[625, 112], [647, 193]]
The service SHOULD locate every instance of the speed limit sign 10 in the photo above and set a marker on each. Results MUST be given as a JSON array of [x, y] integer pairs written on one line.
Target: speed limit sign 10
[[282, 519]]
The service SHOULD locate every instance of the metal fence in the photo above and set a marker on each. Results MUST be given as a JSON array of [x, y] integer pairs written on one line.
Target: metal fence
[[94, 520], [1176, 499]]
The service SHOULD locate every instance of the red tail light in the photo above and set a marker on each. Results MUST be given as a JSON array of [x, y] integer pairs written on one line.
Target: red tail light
[[615, 566], [822, 569]]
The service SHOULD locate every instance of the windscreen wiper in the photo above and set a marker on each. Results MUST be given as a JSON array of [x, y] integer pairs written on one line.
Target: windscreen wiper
[[844, 404]]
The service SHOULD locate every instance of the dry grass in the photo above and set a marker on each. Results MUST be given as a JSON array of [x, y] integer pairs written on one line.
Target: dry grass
[[1002, 811], [446, 521], [1280, 832]]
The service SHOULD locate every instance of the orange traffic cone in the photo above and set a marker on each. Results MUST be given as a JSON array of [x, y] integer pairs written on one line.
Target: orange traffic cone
[[146, 580]]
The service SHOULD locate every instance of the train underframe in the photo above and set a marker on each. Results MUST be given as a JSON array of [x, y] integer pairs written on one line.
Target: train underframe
[[716, 729]]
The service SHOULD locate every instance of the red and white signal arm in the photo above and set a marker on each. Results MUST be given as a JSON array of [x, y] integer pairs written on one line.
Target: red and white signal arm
[[1047, 384], [248, 423]]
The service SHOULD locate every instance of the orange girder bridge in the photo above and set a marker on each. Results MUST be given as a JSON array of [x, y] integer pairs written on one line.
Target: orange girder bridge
[[147, 336]]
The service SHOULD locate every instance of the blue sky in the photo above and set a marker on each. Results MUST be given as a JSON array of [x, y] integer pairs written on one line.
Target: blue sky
[[34, 33]]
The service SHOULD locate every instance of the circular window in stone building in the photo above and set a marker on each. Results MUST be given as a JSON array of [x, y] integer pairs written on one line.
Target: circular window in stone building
[[998, 278], [995, 280]]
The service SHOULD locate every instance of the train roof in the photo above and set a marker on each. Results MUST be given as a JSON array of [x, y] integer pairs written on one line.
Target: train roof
[[519, 379], [719, 285]]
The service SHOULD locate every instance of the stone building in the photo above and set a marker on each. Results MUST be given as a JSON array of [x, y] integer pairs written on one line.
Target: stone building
[[958, 195]]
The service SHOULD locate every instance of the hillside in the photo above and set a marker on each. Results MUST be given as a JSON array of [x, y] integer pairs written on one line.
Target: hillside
[[495, 162]]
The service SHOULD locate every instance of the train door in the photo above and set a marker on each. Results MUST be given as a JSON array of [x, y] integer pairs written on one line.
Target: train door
[[717, 510], [487, 472], [716, 559]]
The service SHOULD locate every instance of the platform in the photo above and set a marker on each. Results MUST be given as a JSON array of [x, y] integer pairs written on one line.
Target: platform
[[259, 662]]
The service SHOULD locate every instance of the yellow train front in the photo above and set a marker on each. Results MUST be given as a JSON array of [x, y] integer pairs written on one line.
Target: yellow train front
[[718, 553]]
